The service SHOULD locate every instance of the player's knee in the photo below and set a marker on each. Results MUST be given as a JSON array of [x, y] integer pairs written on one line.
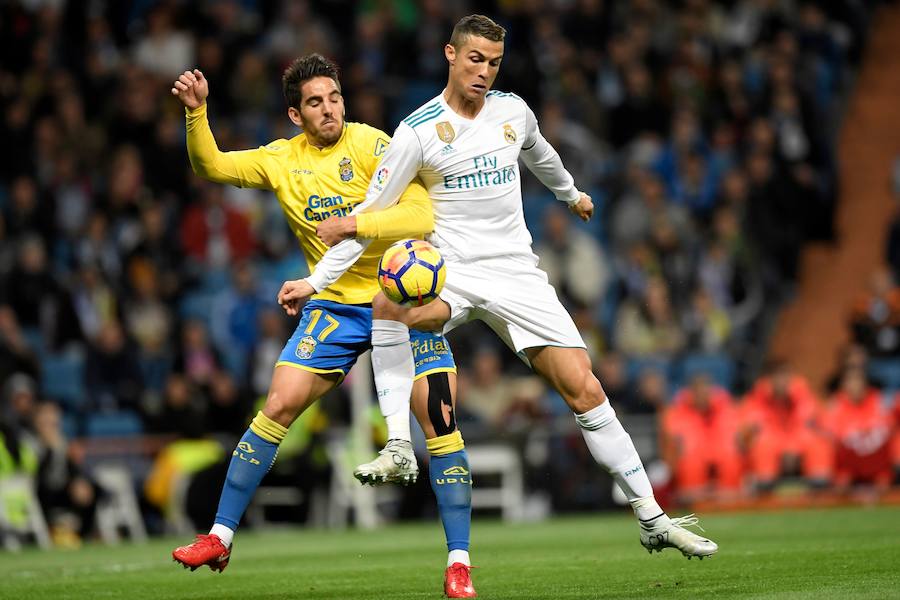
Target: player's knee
[[281, 408], [585, 392]]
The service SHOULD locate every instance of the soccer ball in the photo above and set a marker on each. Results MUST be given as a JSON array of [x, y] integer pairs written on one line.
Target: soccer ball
[[411, 273]]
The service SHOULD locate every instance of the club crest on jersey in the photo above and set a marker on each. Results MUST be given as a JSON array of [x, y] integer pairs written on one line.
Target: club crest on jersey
[[345, 168], [445, 131], [306, 347], [509, 134]]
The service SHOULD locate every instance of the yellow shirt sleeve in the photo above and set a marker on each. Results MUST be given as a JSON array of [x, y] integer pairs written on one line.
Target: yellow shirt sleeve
[[255, 168], [412, 216]]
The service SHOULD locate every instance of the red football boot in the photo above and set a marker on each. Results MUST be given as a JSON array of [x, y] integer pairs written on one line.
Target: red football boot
[[458, 581], [206, 550]]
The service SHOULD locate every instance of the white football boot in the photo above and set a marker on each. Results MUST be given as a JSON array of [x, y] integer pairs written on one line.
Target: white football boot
[[396, 463], [671, 533]]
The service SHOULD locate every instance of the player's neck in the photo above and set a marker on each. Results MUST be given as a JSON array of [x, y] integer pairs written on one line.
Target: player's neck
[[461, 105]]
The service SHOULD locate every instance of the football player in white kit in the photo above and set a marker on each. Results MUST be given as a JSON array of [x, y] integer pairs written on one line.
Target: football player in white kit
[[465, 145]]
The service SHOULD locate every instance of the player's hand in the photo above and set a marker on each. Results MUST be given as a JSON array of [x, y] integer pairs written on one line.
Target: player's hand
[[293, 293], [192, 88], [584, 208], [336, 229]]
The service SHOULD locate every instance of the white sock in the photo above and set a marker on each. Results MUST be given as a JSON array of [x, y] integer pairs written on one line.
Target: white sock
[[458, 556], [225, 534], [397, 425], [392, 362], [611, 446]]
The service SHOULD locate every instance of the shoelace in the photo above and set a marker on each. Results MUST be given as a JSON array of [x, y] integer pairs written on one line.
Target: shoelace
[[461, 567], [690, 520], [208, 540], [392, 446]]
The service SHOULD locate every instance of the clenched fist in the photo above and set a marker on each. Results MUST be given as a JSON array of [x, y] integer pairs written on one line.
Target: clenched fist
[[584, 208], [192, 88], [293, 293]]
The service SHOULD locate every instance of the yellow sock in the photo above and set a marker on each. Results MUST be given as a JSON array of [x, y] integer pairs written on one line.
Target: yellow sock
[[267, 429], [445, 444]]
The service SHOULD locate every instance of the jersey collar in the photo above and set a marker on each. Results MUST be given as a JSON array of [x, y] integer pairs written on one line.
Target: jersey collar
[[447, 106]]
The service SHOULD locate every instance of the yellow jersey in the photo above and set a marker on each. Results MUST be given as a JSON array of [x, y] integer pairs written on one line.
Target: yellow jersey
[[312, 184]]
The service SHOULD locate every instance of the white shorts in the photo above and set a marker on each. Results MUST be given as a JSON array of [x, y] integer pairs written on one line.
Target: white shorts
[[513, 297]]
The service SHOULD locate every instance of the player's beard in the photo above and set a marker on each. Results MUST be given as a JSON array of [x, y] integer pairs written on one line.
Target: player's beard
[[331, 135]]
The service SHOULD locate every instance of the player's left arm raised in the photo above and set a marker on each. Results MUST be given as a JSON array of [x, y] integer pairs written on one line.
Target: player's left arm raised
[[543, 160]]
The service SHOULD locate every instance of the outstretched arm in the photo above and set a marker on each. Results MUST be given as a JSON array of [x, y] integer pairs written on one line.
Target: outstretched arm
[[412, 216], [544, 161], [246, 168]]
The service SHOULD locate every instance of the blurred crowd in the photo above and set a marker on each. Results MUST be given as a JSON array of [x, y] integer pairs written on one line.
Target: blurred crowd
[[137, 298]]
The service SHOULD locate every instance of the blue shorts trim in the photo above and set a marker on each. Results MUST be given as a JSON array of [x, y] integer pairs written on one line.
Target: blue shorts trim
[[330, 337]]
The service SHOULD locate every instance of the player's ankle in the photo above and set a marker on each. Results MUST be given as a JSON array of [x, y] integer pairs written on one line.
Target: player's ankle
[[224, 533], [647, 510], [458, 556], [398, 426]]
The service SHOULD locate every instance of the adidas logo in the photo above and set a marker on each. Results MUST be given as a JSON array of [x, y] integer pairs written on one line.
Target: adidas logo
[[448, 149], [456, 471]]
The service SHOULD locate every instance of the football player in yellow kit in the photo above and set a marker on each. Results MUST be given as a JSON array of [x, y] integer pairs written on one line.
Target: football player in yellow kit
[[324, 171]]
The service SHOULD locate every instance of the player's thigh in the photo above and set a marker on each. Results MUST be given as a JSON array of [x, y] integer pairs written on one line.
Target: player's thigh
[[293, 390], [328, 339], [430, 317], [568, 371]]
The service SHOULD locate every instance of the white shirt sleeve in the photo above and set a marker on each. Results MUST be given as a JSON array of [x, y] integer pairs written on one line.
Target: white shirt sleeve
[[399, 166], [544, 161]]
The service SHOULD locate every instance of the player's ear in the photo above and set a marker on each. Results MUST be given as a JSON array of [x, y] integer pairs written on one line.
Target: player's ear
[[294, 116], [450, 53]]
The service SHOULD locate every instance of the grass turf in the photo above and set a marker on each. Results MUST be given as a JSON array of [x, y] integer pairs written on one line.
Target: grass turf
[[840, 553]]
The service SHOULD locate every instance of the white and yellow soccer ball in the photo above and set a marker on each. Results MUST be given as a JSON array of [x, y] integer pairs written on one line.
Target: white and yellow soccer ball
[[411, 272]]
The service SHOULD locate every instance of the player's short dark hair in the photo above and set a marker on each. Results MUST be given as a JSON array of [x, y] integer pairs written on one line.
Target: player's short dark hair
[[302, 70], [477, 25]]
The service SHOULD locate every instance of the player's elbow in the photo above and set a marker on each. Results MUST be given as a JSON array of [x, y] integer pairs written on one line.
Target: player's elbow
[[198, 165], [204, 168]]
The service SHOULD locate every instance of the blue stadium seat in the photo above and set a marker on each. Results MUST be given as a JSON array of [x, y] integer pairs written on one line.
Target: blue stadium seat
[[70, 426], [120, 423], [62, 379], [637, 365], [415, 94], [155, 370], [886, 371], [195, 305], [719, 367], [533, 207]]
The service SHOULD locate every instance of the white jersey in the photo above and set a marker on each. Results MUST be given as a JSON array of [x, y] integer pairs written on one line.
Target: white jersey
[[471, 171]]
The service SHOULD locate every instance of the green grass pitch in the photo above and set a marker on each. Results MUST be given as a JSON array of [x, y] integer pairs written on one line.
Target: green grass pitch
[[841, 553]]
